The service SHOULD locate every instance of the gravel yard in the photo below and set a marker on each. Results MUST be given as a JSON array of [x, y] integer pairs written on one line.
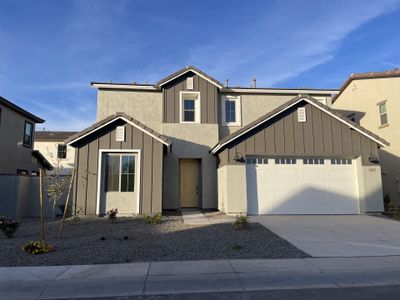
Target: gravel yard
[[167, 241]]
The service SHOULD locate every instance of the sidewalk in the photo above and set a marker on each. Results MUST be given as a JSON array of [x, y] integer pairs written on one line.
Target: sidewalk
[[157, 278]]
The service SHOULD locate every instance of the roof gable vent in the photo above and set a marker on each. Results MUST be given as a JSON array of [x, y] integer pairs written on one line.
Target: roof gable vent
[[120, 134], [189, 83], [301, 115]]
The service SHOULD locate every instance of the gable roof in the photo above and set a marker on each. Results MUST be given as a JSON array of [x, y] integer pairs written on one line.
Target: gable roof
[[367, 75], [228, 139], [53, 135], [20, 110], [111, 119], [186, 70]]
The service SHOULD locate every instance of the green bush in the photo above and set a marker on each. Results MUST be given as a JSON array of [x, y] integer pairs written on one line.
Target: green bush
[[392, 210], [153, 219], [241, 222], [37, 247], [9, 226]]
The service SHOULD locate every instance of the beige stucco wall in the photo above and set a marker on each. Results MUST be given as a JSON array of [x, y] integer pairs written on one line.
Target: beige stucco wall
[[13, 155], [363, 96], [49, 151], [369, 188], [232, 189], [190, 141], [144, 106]]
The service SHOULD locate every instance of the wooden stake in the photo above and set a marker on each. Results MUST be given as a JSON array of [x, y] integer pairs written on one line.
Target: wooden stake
[[66, 205], [41, 204]]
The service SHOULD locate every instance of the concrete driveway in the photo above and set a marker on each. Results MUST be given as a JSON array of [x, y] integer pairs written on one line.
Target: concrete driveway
[[337, 236]]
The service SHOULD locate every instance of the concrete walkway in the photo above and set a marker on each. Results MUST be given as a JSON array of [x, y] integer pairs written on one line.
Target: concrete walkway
[[161, 278], [194, 217], [337, 235]]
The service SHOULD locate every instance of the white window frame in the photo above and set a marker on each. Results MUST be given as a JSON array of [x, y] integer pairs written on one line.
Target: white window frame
[[380, 114], [238, 108], [185, 95]]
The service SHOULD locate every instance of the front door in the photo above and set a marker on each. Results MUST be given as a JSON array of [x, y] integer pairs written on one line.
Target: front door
[[189, 170]]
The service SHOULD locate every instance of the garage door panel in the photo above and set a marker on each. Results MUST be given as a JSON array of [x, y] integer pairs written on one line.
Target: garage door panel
[[302, 189]]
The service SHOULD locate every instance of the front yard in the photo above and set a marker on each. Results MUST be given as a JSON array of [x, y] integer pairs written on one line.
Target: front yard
[[98, 241]]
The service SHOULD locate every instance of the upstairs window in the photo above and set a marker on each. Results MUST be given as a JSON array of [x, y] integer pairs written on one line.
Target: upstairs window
[[61, 151], [190, 107], [231, 114], [28, 131], [383, 113]]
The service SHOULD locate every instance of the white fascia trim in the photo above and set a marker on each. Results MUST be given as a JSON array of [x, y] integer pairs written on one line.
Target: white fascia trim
[[127, 121], [124, 86], [194, 71], [215, 149], [100, 174], [197, 107], [281, 91], [238, 103]]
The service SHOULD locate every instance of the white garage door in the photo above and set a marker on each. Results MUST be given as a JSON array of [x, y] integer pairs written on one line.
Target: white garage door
[[301, 186]]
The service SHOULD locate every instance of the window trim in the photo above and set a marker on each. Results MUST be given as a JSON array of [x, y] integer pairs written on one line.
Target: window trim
[[197, 107], [138, 152], [58, 151], [238, 108], [23, 136], [380, 114]]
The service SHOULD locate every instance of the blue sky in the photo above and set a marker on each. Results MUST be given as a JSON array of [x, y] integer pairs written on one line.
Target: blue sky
[[51, 50]]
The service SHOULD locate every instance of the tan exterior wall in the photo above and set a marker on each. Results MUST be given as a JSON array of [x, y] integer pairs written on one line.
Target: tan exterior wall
[[190, 141], [13, 155], [144, 106], [87, 159], [232, 189], [362, 96], [49, 150]]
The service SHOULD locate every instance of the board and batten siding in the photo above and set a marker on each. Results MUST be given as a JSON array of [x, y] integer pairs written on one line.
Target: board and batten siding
[[321, 135], [87, 161], [209, 107]]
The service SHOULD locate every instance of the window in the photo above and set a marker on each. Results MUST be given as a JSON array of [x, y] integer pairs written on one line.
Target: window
[[260, 161], [313, 161], [231, 115], [28, 130], [230, 111], [383, 113], [285, 161], [190, 107], [343, 161], [120, 173], [61, 151]]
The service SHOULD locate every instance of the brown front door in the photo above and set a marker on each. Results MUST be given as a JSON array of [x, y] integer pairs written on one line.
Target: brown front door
[[189, 170]]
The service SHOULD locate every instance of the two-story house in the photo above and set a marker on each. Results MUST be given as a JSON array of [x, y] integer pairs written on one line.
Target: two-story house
[[373, 100], [190, 141], [19, 163]]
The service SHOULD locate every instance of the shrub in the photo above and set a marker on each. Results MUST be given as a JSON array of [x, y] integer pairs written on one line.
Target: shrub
[[112, 214], [392, 210], [241, 222], [9, 226], [37, 247], [153, 219]]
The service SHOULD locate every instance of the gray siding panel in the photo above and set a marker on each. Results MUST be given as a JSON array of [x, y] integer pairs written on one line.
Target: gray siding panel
[[208, 97], [87, 156], [321, 135]]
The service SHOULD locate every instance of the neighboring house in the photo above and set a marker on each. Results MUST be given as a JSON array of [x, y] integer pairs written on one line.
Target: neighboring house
[[51, 145], [373, 100], [19, 163], [190, 141]]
